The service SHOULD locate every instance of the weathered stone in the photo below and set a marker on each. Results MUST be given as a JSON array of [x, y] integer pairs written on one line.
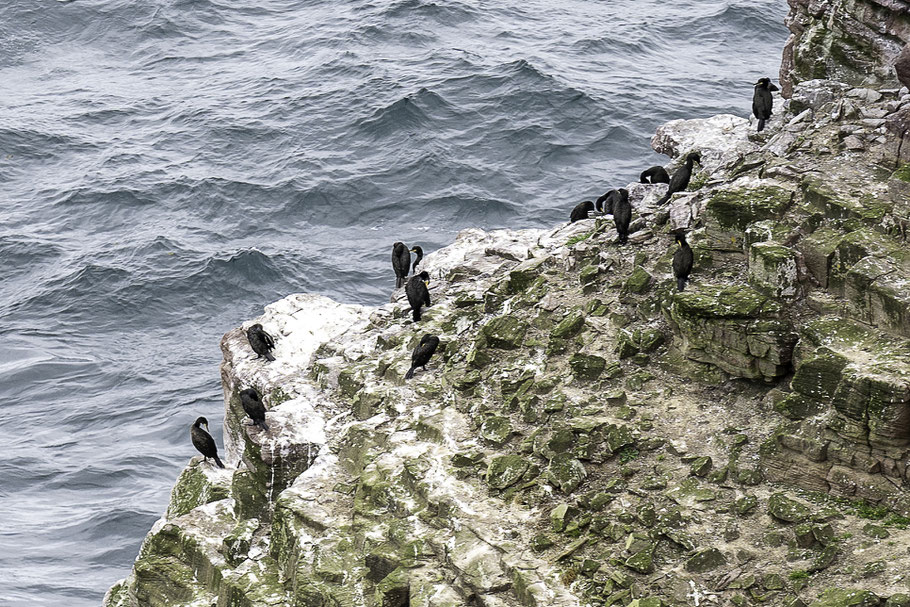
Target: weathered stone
[[785, 509], [772, 269], [837, 597], [735, 328], [705, 560], [504, 332], [506, 470], [566, 472], [587, 366], [570, 326]]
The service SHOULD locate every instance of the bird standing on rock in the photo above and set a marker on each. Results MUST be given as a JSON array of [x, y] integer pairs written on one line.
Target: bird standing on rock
[[605, 203], [622, 215], [682, 260], [260, 341], [418, 294], [762, 102], [252, 405], [401, 263], [656, 174], [419, 253], [681, 177], [203, 441], [581, 211], [422, 353]]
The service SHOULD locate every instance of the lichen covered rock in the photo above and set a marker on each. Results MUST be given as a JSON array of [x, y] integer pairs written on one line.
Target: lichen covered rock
[[734, 328]]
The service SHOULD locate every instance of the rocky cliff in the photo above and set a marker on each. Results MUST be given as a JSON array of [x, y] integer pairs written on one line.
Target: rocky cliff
[[587, 435]]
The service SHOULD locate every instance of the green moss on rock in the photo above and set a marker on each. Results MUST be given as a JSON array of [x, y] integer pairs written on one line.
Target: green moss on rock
[[506, 470]]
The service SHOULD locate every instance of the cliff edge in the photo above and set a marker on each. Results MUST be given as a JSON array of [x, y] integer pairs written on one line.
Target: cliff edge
[[586, 434]]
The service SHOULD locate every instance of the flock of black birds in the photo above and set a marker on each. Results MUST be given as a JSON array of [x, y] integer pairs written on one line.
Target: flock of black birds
[[614, 202]]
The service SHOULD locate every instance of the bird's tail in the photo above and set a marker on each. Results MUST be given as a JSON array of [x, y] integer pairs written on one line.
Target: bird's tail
[[416, 314], [263, 425], [623, 239], [681, 284], [269, 357], [410, 373], [761, 124], [398, 282], [218, 461], [664, 199]]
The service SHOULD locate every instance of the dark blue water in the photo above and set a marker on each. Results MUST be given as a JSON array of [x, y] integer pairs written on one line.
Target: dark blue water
[[168, 167]]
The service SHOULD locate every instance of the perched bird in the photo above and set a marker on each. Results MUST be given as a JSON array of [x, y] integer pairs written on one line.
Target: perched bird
[[605, 203], [252, 405], [681, 177], [422, 353], [581, 211], [203, 441], [419, 252], [260, 341], [682, 260], [762, 101], [622, 215], [418, 294], [401, 263], [656, 174]]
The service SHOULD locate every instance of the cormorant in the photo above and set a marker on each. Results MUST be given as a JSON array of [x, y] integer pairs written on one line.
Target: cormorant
[[422, 353], [260, 341], [419, 252], [680, 180], [605, 203], [401, 263], [203, 441], [762, 101], [581, 211], [252, 405], [656, 174], [418, 294], [622, 215], [682, 260]]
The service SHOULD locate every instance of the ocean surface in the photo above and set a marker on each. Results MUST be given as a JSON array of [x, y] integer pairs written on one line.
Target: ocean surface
[[169, 167]]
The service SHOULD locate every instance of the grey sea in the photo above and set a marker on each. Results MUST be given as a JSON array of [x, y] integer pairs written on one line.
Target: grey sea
[[169, 167]]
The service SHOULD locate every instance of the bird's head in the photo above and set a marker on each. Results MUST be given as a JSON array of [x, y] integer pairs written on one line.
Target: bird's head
[[679, 237], [694, 157], [624, 193], [203, 423], [425, 277], [417, 250]]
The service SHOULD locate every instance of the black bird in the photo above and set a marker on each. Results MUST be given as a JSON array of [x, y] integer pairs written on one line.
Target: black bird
[[605, 203], [682, 260], [581, 211], [401, 263], [252, 405], [422, 353], [762, 101], [419, 252], [622, 215], [681, 177], [656, 174], [418, 294], [260, 341], [203, 441]]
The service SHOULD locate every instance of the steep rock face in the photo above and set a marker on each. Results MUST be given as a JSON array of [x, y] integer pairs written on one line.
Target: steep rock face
[[852, 41], [586, 434]]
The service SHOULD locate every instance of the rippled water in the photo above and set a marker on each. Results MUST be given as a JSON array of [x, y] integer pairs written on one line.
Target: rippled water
[[168, 167]]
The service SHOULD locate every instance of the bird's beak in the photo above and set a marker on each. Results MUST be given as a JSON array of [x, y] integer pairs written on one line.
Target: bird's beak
[[426, 282], [412, 250]]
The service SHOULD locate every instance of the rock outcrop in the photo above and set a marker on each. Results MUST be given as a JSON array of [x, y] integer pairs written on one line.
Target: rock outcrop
[[586, 434]]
